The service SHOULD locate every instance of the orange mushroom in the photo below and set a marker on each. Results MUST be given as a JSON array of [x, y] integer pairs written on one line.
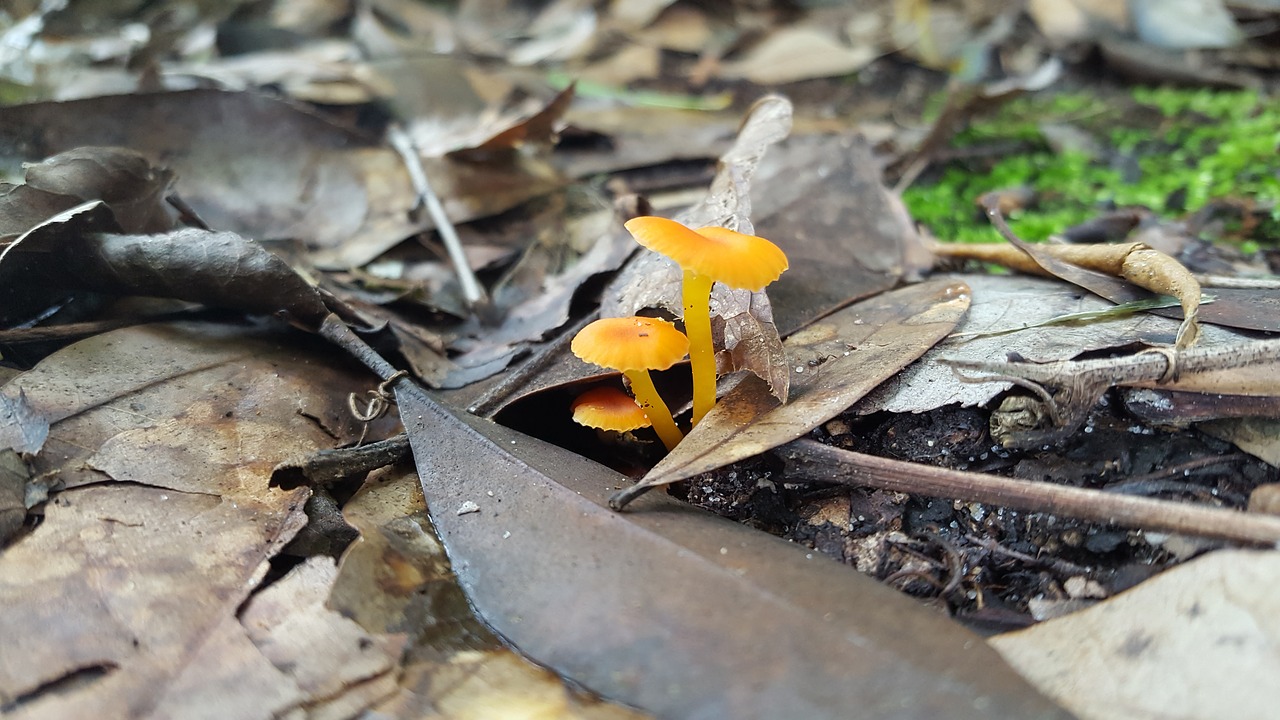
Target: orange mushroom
[[708, 255], [636, 345], [608, 408]]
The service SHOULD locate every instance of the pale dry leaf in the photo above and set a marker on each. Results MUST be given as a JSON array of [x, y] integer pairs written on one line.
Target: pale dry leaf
[[1196, 642], [1009, 302], [795, 53]]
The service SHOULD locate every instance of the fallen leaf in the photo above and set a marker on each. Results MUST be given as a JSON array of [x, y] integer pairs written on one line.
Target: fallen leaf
[[835, 361], [325, 654], [1198, 641], [14, 478], [1258, 436], [268, 168], [166, 437], [21, 428], [126, 181], [1005, 302], [823, 199], [219, 269], [798, 52], [648, 608], [1113, 271], [396, 578]]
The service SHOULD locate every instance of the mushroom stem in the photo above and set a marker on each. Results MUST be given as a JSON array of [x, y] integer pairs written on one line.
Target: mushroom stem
[[702, 355], [648, 398]]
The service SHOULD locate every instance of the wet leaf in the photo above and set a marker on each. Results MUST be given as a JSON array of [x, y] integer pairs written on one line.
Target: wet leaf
[[835, 362], [666, 608], [1207, 628]]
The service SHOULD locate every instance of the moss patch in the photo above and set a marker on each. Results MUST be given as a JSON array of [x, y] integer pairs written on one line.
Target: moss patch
[[1169, 150]]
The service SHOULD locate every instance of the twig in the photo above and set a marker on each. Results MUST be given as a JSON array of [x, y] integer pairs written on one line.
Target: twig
[[1079, 383], [472, 292], [812, 461], [327, 467], [491, 402]]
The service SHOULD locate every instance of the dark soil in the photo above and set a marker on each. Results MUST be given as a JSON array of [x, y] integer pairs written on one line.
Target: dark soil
[[991, 567]]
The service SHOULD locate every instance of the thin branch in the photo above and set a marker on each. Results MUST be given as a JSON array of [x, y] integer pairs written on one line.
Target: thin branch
[[472, 292], [812, 461]]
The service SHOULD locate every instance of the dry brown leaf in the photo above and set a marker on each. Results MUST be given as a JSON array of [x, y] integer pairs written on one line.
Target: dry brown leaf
[[166, 437], [270, 169]]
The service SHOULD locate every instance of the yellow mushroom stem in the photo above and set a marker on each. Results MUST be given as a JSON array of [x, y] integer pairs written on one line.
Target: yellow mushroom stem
[[651, 402], [702, 355]]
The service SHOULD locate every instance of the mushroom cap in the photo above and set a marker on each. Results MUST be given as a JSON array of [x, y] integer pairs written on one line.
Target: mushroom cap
[[733, 258], [608, 408], [630, 343]]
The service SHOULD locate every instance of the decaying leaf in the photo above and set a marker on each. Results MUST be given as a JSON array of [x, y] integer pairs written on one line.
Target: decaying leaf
[[396, 579], [1001, 303], [823, 199], [220, 269], [165, 438], [1197, 642], [650, 608], [835, 362], [653, 281]]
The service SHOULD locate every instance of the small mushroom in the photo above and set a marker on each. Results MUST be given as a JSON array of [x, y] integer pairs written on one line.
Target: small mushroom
[[608, 408], [708, 255], [634, 346]]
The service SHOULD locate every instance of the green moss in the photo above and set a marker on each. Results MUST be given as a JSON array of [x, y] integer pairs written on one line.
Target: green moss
[[1170, 150]]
